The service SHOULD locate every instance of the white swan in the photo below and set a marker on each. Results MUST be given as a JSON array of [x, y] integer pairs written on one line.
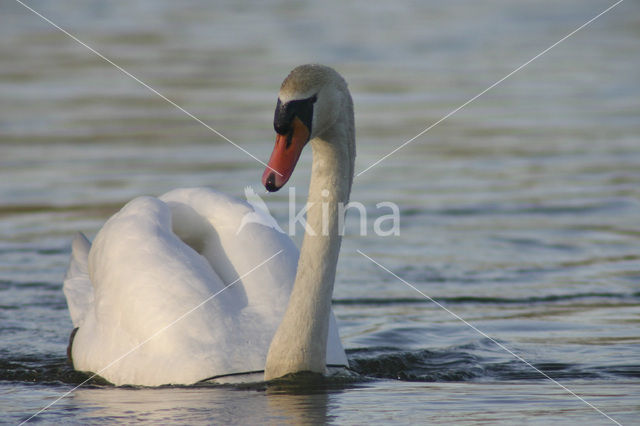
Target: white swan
[[132, 292]]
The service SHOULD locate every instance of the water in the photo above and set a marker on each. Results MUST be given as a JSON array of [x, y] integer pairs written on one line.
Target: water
[[520, 213]]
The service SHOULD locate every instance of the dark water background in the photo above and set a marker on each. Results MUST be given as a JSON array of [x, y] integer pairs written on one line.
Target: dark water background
[[520, 213]]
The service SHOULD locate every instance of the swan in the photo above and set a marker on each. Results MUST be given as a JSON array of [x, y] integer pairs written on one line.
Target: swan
[[170, 292]]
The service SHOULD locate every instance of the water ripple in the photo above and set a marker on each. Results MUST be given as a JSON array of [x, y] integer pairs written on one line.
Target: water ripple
[[464, 363], [629, 297]]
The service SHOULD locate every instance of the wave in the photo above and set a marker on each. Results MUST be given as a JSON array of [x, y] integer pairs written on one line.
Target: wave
[[457, 364], [53, 370], [489, 300], [462, 364]]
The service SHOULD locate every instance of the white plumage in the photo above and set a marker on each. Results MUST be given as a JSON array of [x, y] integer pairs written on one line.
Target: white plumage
[[136, 294], [157, 259]]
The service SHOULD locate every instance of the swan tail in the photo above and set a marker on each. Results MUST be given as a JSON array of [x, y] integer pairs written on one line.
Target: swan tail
[[77, 285]]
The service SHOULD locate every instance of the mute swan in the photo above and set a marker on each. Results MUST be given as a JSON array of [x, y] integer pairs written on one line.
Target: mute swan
[[132, 292]]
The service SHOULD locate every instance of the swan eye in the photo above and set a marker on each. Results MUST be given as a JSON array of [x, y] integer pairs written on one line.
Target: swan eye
[[285, 113]]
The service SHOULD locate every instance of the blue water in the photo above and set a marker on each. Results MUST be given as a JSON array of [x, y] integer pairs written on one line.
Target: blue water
[[520, 213]]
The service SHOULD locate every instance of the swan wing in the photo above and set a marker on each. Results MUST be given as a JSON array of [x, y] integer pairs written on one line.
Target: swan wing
[[234, 254], [175, 296], [163, 310], [145, 281], [267, 289]]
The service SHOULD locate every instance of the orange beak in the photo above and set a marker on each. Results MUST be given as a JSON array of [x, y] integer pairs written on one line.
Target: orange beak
[[285, 156]]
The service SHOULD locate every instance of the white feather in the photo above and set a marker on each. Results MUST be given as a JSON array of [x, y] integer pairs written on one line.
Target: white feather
[[157, 259]]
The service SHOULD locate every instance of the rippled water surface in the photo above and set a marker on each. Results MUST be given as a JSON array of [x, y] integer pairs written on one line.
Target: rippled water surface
[[520, 213]]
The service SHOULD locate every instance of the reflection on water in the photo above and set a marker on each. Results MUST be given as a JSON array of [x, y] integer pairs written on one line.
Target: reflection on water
[[389, 401], [519, 213], [198, 405]]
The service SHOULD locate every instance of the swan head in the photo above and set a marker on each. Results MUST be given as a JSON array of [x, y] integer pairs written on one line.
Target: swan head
[[310, 101]]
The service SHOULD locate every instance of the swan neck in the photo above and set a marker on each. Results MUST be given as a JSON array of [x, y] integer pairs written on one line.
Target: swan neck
[[300, 343]]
